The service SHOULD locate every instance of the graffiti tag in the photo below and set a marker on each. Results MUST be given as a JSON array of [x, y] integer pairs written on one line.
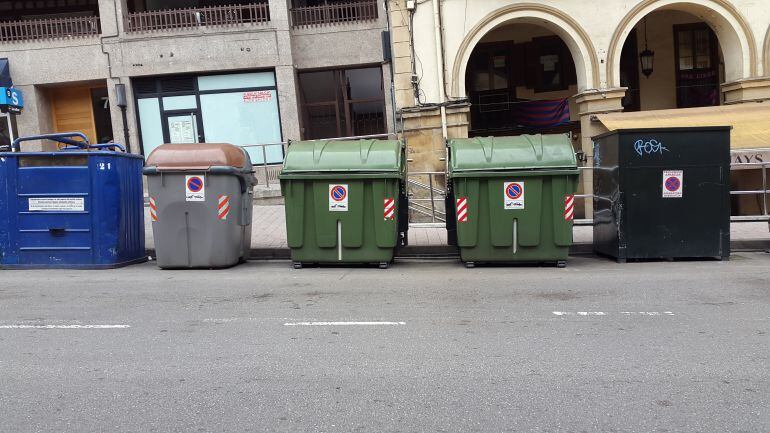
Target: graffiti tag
[[649, 147]]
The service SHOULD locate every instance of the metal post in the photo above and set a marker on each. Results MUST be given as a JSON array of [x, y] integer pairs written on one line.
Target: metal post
[[432, 201], [125, 129], [764, 188], [264, 165]]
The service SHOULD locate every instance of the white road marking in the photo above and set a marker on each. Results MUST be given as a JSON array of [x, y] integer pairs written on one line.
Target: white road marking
[[64, 326], [344, 323], [580, 313], [602, 313], [647, 313]]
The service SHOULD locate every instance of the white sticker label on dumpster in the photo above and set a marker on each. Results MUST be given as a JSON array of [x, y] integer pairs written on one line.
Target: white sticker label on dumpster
[[195, 188], [513, 195], [57, 204], [673, 183], [338, 198]]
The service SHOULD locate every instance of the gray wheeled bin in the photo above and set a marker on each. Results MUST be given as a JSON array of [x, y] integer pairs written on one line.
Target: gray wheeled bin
[[200, 204]]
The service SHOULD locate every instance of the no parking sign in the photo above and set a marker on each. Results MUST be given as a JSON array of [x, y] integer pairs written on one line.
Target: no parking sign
[[338, 198], [195, 188], [673, 183], [513, 195]]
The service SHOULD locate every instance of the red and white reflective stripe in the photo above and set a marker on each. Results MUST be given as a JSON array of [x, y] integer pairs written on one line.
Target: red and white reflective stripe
[[390, 209], [462, 209], [569, 208], [153, 209], [224, 207]]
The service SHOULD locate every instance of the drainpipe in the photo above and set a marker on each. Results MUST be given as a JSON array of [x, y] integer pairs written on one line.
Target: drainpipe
[[440, 64]]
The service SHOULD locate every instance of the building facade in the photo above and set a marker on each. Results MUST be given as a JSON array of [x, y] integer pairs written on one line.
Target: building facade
[[250, 73], [508, 67]]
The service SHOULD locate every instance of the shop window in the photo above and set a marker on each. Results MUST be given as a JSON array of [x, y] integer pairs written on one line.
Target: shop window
[[240, 109], [697, 65], [342, 102], [6, 137]]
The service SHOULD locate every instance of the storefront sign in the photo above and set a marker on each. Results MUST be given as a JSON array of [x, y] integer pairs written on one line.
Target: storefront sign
[[11, 100], [258, 96], [753, 156]]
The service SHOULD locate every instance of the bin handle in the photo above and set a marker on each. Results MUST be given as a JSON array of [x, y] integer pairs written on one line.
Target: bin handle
[[63, 137], [112, 146]]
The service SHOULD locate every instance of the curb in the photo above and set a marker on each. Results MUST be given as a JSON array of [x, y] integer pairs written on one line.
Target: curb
[[451, 252]]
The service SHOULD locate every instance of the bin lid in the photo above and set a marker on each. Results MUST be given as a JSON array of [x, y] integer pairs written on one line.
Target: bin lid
[[328, 156], [198, 156], [523, 152]]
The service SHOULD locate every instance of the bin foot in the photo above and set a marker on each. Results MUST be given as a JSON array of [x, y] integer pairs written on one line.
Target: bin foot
[[621, 261], [384, 265], [561, 264], [297, 265], [470, 265]]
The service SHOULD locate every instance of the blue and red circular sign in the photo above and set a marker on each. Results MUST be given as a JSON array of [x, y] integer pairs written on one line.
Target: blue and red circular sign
[[514, 191], [672, 184], [339, 193], [194, 184]]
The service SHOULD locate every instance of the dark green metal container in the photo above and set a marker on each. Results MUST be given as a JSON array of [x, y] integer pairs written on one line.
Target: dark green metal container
[[512, 198], [345, 201]]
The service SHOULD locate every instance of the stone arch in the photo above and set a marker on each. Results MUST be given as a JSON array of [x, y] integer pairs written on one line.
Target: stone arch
[[732, 30], [576, 39]]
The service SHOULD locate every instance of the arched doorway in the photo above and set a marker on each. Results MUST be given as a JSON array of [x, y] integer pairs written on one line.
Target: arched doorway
[[671, 59], [698, 45], [520, 79]]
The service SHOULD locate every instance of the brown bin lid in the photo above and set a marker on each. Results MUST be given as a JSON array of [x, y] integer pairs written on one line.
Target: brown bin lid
[[196, 156]]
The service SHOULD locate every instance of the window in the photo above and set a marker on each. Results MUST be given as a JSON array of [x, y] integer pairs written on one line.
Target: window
[[342, 103], [550, 61], [240, 109], [697, 66]]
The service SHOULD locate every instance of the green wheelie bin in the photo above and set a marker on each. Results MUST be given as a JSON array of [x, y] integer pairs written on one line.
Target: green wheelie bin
[[345, 201], [511, 199]]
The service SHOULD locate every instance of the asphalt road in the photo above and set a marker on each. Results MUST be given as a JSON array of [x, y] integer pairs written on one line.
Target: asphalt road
[[596, 347]]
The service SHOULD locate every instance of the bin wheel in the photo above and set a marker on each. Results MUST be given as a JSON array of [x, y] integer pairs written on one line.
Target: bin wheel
[[384, 265], [561, 264], [297, 265], [470, 265]]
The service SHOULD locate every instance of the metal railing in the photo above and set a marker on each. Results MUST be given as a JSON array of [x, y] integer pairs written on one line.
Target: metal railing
[[427, 199], [51, 28], [764, 193], [334, 13], [271, 170], [186, 18]]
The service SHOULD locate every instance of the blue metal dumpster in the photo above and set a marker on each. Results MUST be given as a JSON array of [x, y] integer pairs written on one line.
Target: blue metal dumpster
[[81, 207]]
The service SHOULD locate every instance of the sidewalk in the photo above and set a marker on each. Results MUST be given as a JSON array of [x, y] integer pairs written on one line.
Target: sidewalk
[[269, 231]]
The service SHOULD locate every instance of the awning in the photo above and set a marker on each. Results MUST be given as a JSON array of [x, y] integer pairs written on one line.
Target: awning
[[750, 121]]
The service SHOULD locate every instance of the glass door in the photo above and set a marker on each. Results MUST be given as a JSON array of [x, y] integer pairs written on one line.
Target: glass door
[[184, 127]]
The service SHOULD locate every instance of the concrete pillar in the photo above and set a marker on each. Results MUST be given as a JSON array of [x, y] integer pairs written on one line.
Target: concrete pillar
[[286, 79], [750, 90], [589, 104], [36, 117], [285, 73], [108, 17]]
